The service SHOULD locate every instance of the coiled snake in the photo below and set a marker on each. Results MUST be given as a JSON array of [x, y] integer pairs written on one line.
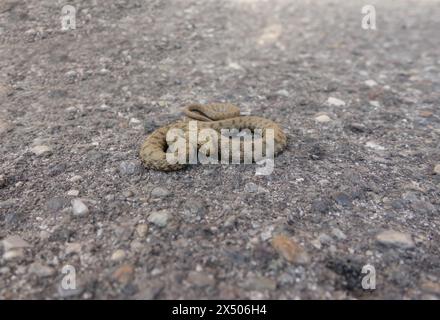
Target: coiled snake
[[216, 116]]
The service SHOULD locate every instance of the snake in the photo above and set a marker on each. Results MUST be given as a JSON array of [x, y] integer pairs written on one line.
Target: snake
[[216, 116]]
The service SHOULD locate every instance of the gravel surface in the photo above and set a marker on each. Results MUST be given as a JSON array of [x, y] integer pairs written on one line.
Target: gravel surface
[[358, 183]]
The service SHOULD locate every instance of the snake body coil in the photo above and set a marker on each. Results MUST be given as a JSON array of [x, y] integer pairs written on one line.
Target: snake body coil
[[212, 116]]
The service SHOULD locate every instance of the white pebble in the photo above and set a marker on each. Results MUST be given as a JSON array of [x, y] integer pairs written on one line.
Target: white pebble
[[234, 66], [75, 178], [40, 150], [118, 255], [370, 83], [79, 208], [323, 118], [335, 102], [375, 103], [70, 74], [135, 121], [374, 145], [73, 193], [159, 218], [283, 92], [13, 254]]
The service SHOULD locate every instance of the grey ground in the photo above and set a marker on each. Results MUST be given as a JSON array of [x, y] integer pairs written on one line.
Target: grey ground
[[357, 187]]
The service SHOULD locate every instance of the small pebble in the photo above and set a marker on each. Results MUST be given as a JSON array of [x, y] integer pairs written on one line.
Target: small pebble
[[5, 270], [136, 246], [109, 197], [267, 233], [75, 178], [370, 83], [375, 103], [142, 230], [342, 199], [251, 187], [338, 234], [316, 243], [194, 207], [129, 168], [57, 169], [14, 242], [156, 271], [73, 247], [16, 254], [41, 150], [437, 169], [374, 145], [335, 102], [357, 127], [118, 255], [159, 218], [79, 208], [283, 93], [323, 118], [394, 238], [230, 222], [124, 274], [21, 269], [289, 249], [134, 121], [128, 193], [234, 66], [73, 193], [70, 76], [44, 235], [57, 204], [103, 71], [30, 32], [320, 206], [325, 239]]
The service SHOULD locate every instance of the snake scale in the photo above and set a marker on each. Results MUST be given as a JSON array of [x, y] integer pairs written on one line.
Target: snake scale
[[216, 116]]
